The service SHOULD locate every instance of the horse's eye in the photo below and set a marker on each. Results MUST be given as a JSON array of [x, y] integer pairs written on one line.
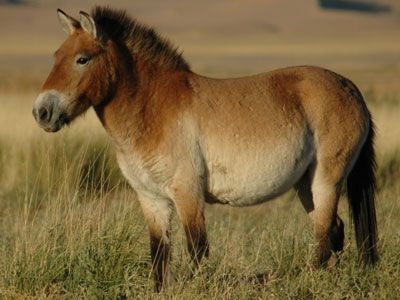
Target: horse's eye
[[82, 60]]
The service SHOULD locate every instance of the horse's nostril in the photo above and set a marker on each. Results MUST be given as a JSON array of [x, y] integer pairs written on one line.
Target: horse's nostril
[[43, 114]]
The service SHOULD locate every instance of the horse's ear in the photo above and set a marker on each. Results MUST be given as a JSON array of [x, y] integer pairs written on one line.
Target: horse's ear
[[88, 24], [68, 23]]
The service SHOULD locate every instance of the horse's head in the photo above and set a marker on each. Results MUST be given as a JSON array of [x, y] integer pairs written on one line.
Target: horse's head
[[83, 74]]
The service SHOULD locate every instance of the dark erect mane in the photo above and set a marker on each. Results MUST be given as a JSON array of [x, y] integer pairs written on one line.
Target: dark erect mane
[[138, 38]]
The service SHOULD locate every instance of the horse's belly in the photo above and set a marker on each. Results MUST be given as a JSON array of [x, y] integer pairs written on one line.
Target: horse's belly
[[249, 178]]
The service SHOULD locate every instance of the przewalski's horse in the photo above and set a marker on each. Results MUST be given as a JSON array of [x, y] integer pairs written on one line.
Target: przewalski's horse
[[183, 139]]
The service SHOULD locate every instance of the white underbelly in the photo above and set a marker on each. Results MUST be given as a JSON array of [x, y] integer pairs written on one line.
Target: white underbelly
[[243, 178]]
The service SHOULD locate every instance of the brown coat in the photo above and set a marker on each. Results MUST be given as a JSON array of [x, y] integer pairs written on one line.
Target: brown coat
[[183, 139]]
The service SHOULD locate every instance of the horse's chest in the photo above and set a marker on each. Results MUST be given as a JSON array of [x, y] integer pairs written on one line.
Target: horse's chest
[[138, 173]]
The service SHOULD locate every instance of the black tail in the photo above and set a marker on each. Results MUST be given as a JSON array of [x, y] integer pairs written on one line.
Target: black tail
[[361, 186]]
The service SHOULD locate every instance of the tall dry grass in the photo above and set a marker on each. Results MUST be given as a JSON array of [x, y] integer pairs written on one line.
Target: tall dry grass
[[71, 228]]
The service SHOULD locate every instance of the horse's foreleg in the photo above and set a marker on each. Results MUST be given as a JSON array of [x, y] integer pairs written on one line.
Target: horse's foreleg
[[157, 213], [197, 240], [190, 208]]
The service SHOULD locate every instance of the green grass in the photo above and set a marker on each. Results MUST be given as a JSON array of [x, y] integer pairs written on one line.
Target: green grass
[[70, 228]]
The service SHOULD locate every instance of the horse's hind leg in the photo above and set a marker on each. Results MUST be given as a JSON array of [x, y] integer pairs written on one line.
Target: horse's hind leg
[[320, 199], [336, 236]]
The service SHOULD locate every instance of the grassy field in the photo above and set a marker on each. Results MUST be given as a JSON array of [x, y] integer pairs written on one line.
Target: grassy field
[[70, 227]]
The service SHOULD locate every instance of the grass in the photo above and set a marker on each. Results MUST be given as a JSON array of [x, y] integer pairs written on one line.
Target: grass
[[71, 228]]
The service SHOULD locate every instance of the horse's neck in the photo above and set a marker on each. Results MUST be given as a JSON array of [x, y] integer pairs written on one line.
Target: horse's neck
[[143, 105]]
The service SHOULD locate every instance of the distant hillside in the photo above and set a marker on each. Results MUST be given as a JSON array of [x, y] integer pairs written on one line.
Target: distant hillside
[[224, 37], [355, 5], [210, 17]]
